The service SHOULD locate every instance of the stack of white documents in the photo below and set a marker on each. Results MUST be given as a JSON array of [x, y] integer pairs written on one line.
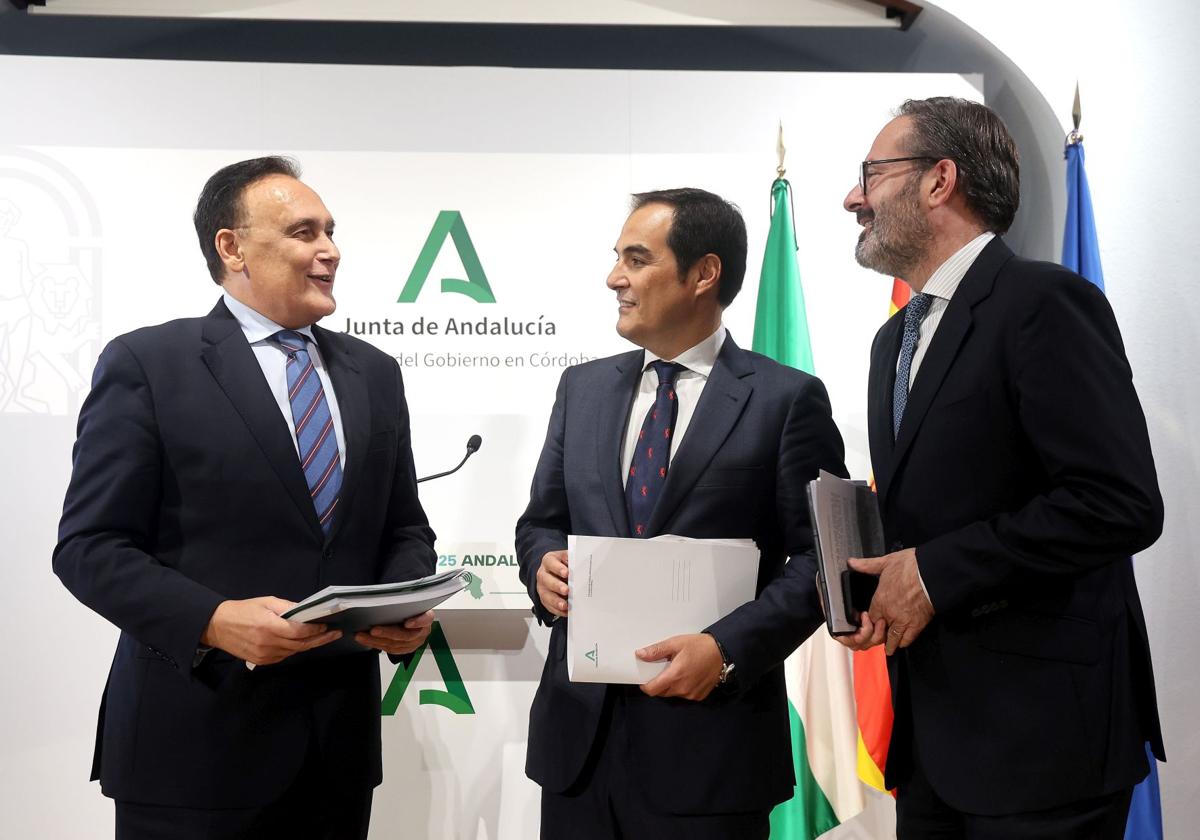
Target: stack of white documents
[[629, 593], [354, 608]]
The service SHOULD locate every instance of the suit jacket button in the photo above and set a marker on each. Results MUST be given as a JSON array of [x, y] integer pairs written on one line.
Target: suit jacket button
[[327, 554]]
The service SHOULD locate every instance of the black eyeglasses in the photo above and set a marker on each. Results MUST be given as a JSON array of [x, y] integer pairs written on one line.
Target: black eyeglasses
[[862, 170]]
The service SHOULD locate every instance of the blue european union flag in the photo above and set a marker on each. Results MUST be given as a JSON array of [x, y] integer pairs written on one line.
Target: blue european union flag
[[1081, 247]]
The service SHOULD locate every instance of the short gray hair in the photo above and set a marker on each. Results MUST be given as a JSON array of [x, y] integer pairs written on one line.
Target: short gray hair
[[976, 139]]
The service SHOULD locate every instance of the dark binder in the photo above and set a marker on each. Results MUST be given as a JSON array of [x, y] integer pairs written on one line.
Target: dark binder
[[845, 522]]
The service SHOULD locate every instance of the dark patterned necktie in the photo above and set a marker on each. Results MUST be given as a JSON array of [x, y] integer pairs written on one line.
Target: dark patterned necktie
[[651, 453], [317, 441], [918, 308]]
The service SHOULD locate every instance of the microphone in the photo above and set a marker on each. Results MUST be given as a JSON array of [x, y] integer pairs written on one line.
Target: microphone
[[473, 444]]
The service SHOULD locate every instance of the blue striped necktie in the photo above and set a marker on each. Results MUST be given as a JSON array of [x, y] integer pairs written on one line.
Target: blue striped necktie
[[914, 313], [317, 441]]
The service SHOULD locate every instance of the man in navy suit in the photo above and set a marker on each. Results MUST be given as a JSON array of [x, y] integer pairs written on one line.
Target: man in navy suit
[[1015, 480], [688, 435], [227, 466]]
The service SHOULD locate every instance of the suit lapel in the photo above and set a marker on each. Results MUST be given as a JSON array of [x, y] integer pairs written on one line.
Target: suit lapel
[[232, 363], [610, 435], [354, 408], [879, 399], [953, 329], [721, 404]]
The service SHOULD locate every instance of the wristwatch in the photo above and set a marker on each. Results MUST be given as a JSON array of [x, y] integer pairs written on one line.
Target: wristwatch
[[726, 675]]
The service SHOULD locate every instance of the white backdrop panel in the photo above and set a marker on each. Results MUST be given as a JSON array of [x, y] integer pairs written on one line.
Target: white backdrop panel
[[97, 185]]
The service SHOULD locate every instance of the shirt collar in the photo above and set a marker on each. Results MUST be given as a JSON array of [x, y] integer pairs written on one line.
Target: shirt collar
[[699, 358], [943, 283], [256, 326]]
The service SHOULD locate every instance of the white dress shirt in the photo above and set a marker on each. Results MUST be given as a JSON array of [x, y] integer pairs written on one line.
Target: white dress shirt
[[258, 329], [941, 286], [698, 361]]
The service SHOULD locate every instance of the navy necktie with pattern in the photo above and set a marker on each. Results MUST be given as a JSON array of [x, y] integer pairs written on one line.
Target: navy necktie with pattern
[[652, 451], [918, 308], [319, 457]]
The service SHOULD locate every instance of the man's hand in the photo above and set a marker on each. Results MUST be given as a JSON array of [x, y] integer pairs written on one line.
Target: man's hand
[[398, 639], [869, 634], [252, 630], [552, 582], [900, 601], [694, 670]]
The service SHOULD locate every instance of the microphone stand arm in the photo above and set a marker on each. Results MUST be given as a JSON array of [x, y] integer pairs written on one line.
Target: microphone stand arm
[[448, 472]]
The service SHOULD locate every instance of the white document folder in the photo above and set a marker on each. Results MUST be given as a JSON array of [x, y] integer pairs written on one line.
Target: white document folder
[[629, 593]]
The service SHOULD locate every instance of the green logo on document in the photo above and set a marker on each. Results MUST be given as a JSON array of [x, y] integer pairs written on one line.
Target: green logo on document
[[449, 223], [454, 698], [591, 654]]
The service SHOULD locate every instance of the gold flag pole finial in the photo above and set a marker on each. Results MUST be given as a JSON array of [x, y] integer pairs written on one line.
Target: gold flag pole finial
[[780, 150], [1076, 116]]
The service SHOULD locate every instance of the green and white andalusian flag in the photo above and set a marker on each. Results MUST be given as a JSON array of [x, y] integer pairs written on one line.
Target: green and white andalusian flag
[[820, 687]]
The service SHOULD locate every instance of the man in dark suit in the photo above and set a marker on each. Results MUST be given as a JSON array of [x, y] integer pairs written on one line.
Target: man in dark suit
[[1015, 480], [701, 751], [227, 466]]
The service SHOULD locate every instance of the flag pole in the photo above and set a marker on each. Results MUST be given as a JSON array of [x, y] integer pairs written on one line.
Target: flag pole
[[780, 171], [781, 151], [1074, 137]]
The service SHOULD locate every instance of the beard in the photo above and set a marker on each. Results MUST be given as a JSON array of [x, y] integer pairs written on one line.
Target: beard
[[899, 236]]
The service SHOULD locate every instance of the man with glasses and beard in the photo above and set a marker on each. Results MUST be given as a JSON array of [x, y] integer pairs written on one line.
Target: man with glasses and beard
[[1015, 480]]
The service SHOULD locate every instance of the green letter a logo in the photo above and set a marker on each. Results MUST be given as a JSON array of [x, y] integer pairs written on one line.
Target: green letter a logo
[[449, 223], [455, 696]]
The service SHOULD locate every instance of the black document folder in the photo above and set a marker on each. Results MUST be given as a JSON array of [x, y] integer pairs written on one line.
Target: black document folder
[[846, 523]]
